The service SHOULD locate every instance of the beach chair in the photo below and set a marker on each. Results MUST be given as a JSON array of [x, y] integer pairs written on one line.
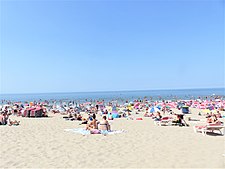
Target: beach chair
[[164, 121], [210, 128]]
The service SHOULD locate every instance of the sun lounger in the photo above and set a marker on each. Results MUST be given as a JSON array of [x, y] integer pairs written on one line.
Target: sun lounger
[[164, 121], [210, 128]]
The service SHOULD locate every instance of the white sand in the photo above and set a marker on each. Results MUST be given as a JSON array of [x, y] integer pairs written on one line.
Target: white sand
[[43, 143]]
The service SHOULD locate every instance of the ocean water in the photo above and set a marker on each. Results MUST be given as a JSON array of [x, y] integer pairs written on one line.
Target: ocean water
[[117, 95]]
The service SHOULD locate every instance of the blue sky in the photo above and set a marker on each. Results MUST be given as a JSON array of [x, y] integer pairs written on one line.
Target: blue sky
[[71, 46]]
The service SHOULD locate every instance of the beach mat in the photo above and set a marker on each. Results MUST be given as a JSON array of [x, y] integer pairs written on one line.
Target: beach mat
[[87, 132]]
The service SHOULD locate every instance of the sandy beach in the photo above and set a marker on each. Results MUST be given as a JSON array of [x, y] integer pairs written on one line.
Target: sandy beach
[[112, 84], [43, 143]]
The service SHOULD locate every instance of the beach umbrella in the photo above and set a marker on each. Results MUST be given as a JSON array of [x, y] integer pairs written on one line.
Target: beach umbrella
[[154, 110], [206, 111], [137, 104], [87, 103], [159, 107]]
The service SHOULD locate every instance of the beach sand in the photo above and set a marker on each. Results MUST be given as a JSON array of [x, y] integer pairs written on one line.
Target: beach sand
[[43, 143]]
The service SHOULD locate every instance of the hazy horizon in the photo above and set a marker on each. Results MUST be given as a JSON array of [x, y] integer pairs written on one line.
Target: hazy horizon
[[116, 91]]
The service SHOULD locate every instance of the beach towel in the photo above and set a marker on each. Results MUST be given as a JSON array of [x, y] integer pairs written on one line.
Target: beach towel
[[87, 132]]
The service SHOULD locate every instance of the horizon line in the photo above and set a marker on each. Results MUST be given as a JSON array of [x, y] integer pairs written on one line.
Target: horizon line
[[134, 90]]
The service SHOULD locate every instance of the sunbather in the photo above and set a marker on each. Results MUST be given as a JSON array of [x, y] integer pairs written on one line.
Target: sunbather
[[158, 116], [84, 121], [1, 119], [4, 118], [146, 113], [218, 114], [15, 123], [79, 117], [110, 117], [180, 120], [92, 124], [104, 124], [212, 119]]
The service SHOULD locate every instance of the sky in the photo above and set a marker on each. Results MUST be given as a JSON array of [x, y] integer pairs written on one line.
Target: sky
[[78, 46]]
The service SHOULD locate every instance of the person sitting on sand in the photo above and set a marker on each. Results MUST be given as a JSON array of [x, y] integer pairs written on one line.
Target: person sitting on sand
[[104, 124], [110, 117], [146, 113], [158, 116], [1, 119], [92, 124], [180, 120], [79, 117], [5, 118]]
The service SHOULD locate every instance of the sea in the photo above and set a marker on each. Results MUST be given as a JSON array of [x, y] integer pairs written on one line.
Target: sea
[[174, 94]]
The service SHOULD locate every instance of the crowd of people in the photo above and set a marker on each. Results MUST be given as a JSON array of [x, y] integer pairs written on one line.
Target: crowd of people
[[106, 111], [5, 118]]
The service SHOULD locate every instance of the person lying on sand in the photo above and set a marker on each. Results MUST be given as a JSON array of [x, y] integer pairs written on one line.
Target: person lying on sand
[[55, 111], [15, 123], [84, 121], [79, 117]]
